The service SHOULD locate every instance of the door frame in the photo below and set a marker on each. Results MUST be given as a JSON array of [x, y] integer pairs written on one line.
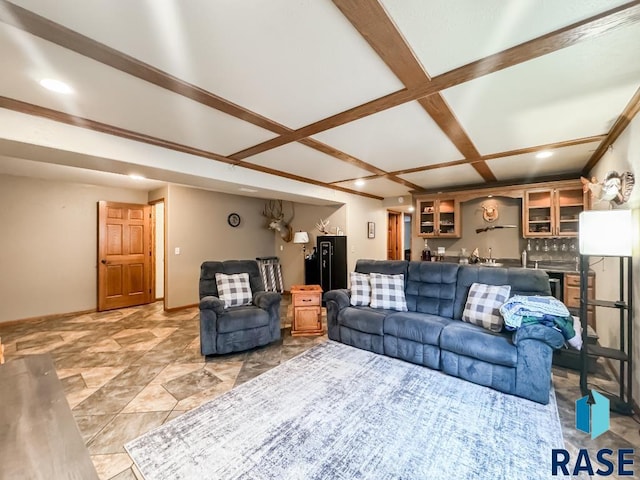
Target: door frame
[[102, 206], [153, 251], [399, 233]]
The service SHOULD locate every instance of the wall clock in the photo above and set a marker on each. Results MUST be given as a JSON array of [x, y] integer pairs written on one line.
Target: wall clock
[[233, 219]]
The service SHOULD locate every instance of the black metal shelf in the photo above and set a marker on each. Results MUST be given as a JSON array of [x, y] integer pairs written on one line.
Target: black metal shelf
[[614, 353], [624, 400], [608, 304]]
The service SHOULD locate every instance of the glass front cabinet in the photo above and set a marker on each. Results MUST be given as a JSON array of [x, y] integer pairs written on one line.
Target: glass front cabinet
[[553, 212], [438, 218]]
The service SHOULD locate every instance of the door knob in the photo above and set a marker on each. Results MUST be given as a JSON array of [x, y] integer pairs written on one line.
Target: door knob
[[104, 261]]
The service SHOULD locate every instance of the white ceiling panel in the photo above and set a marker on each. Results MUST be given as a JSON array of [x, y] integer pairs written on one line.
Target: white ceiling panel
[[381, 187], [394, 139], [109, 96], [445, 177], [305, 161], [106, 95], [573, 93], [293, 62], [467, 30], [526, 166]]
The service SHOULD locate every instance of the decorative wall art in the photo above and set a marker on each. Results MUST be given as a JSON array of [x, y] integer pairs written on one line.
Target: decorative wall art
[[489, 211], [371, 230]]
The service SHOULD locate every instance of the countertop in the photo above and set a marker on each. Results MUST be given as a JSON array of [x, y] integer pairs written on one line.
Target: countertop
[[547, 266]]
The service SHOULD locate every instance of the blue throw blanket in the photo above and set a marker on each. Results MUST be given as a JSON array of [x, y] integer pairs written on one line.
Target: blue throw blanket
[[519, 306], [546, 311]]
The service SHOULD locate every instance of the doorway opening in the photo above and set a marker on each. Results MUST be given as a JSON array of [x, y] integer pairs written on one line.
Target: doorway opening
[[408, 219], [158, 250], [395, 241], [131, 254]]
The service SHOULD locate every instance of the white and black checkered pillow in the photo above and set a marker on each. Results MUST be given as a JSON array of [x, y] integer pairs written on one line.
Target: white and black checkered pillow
[[387, 291], [234, 290], [360, 289], [483, 305]]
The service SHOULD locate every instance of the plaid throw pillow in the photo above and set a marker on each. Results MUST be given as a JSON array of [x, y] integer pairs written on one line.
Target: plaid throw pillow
[[360, 289], [234, 290], [387, 291], [483, 305]]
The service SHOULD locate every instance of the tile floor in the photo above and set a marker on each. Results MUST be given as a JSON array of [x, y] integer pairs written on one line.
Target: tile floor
[[130, 370]]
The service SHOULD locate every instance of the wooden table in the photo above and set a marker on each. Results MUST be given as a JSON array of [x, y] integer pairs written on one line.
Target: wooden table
[[307, 310], [39, 438]]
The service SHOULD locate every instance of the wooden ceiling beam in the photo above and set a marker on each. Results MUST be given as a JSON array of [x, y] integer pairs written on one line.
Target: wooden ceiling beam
[[62, 117], [44, 28], [593, 27], [508, 153], [375, 25], [53, 32], [621, 124]]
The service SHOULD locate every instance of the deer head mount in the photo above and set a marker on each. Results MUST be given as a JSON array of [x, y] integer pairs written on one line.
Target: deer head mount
[[489, 211], [274, 213]]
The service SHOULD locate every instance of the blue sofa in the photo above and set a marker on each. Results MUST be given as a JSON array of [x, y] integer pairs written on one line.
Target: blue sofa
[[432, 333]]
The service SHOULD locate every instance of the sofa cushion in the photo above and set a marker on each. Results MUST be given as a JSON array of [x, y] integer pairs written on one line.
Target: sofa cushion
[[234, 290], [483, 305], [363, 319], [242, 318], [476, 342], [388, 267], [208, 272], [523, 281], [387, 292], [360, 289], [431, 287], [419, 327]]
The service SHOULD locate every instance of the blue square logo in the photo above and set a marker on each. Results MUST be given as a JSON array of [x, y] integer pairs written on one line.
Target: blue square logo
[[592, 414]]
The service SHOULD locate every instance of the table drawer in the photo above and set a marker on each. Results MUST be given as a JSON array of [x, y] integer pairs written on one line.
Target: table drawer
[[306, 299], [573, 280]]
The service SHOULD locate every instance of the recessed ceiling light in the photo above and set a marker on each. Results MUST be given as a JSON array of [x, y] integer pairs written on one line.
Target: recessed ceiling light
[[245, 189], [56, 86], [136, 176], [359, 182], [544, 154]]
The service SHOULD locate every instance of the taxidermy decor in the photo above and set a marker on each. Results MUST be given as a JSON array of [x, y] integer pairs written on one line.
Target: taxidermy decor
[[274, 213], [323, 227], [489, 211], [615, 188]]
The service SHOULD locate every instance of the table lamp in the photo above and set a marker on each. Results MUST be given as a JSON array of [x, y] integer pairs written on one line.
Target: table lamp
[[302, 238]]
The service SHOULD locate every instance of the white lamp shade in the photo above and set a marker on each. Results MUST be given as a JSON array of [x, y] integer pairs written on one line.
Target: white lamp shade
[[606, 233], [301, 237]]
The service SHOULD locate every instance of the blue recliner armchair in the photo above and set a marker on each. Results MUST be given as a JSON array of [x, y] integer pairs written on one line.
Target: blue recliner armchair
[[237, 328]]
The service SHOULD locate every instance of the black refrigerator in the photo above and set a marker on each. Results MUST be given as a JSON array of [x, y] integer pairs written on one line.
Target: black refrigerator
[[332, 262]]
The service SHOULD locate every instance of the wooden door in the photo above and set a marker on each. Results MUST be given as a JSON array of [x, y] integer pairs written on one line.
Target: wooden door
[[124, 255], [394, 240]]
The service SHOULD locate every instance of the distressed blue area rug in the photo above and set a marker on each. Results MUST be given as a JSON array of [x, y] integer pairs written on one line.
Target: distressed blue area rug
[[336, 412]]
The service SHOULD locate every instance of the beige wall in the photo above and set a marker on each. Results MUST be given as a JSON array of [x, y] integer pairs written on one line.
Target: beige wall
[[504, 243], [624, 156], [48, 245], [351, 218], [197, 224], [360, 211], [306, 217], [49, 249]]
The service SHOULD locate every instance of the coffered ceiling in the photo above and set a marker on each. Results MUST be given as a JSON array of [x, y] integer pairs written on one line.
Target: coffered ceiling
[[409, 95]]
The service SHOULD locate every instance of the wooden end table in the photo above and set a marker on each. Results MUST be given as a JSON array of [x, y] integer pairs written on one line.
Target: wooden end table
[[307, 310]]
